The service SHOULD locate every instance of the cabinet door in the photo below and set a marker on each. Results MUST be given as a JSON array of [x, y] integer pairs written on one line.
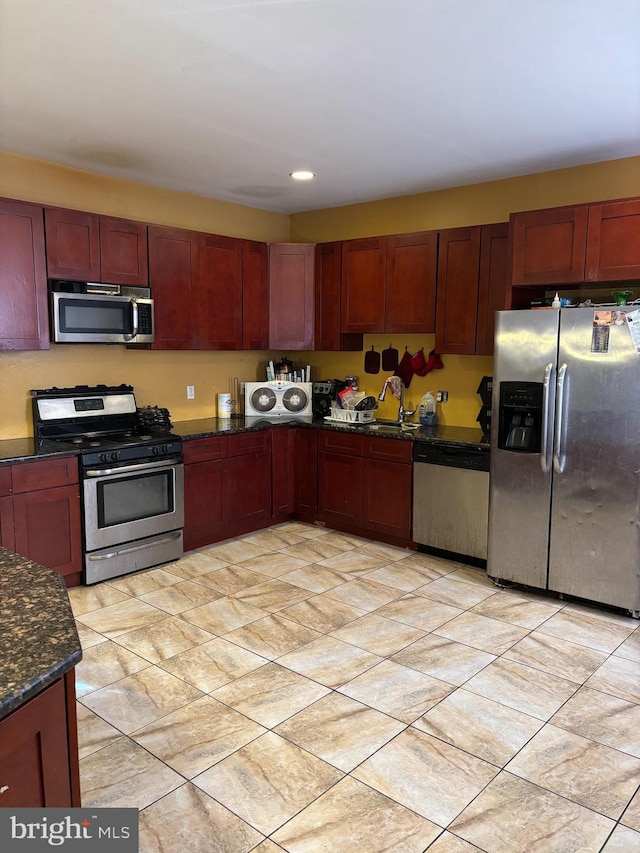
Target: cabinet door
[[492, 285], [24, 319], [306, 474], [47, 529], [548, 246], [7, 536], [412, 263], [340, 490], [458, 267], [172, 264], [249, 492], [282, 468], [363, 285], [205, 507], [387, 498], [291, 296], [123, 252], [613, 241], [73, 244], [218, 293], [328, 284], [34, 753], [255, 295]]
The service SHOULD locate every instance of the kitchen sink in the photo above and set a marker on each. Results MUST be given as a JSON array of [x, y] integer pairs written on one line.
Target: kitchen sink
[[390, 426]]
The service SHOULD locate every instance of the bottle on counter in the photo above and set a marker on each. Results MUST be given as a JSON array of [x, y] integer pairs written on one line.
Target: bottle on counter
[[428, 410]]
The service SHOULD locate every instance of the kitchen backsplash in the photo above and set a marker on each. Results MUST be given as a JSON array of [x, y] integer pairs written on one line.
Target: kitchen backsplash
[[161, 378]]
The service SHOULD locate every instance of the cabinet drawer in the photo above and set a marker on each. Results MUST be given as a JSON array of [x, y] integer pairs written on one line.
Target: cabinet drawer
[[340, 442], [205, 449], [395, 450], [249, 442], [5, 480], [44, 474]]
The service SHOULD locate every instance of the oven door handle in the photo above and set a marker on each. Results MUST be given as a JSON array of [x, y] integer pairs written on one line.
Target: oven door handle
[[126, 469], [98, 557]]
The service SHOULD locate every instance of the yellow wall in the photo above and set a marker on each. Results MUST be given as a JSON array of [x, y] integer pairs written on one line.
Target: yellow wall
[[472, 205], [160, 378]]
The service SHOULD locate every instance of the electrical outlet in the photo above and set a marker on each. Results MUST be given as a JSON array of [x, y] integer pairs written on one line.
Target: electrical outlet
[[442, 396], [191, 392]]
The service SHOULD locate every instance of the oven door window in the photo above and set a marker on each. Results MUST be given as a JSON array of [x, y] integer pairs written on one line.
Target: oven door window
[[91, 315], [134, 498]]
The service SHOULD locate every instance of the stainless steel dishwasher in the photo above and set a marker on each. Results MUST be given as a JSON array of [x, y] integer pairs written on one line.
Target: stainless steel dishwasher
[[451, 499]]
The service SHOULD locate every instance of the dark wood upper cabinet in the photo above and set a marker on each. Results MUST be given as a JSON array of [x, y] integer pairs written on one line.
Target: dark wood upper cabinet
[[328, 276], [613, 241], [458, 270], [291, 296], [217, 298], [492, 284], [255, 295], [172, 264], [24, 318], [364, 264], [87, 247], [73, 244], [548, 246], [412, 263], [123, 252]]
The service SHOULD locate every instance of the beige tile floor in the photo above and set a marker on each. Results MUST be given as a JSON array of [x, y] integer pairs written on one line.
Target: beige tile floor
[[302, 690]]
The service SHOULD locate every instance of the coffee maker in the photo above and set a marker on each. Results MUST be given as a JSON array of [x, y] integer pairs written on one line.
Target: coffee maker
[[324, 393]]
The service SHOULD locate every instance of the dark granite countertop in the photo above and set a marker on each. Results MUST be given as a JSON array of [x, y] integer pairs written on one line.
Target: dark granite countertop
[[210, 427], [25, 449], [37, 630]]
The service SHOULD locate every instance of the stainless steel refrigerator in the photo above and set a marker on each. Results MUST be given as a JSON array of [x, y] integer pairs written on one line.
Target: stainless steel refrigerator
[[564, 489]]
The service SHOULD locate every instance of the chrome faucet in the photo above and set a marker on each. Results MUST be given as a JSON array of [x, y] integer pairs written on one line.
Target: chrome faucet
[[403, 413]]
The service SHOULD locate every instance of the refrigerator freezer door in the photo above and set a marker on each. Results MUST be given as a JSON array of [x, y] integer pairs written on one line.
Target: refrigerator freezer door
[[520, 483], [594, 541]]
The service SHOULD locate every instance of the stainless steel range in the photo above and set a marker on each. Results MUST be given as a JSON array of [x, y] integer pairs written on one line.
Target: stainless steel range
[[132, 480]]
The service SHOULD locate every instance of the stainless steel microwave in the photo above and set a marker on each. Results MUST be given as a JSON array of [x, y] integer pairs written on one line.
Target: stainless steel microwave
[[84, 312]]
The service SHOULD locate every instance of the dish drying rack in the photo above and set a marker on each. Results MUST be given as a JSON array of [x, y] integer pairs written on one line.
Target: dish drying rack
[[354, 411]]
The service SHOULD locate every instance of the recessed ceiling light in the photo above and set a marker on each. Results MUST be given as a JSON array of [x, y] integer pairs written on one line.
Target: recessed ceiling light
[[302, 175]]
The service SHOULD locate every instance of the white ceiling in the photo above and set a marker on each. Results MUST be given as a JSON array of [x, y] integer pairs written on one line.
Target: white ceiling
[[380, 98]]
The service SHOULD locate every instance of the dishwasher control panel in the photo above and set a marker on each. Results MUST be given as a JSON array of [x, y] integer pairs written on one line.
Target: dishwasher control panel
[[452, 456]]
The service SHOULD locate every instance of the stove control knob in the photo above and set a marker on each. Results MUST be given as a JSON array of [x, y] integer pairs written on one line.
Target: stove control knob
[[155, 449], [115, 455], [104, 457], [165, 448]]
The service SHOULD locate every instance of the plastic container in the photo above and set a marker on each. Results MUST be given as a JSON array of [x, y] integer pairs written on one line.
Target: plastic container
[[224, 405], [428, 410], [556, 302]]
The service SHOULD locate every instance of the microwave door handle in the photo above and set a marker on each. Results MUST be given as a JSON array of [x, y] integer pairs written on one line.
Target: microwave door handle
[[546, 396], [134, 319], [558, 455]]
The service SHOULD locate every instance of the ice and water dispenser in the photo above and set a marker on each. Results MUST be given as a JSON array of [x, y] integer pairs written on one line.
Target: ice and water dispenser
[[520, 416]]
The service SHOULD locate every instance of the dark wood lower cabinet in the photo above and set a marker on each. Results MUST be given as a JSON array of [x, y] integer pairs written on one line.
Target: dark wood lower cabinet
[[204, 504], [283, 467], [249, 491], [239, 483], [39, 750], [40, 515], [386, 498], [305, 484], [365, 486]]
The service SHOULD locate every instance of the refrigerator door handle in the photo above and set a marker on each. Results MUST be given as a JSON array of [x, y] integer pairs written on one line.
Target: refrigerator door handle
[[558, 456], [545, 461]]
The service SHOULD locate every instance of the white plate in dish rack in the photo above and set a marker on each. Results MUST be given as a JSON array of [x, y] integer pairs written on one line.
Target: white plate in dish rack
[[277, 398]]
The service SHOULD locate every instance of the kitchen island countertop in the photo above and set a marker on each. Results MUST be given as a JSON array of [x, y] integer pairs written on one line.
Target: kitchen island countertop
[[37, 630]]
